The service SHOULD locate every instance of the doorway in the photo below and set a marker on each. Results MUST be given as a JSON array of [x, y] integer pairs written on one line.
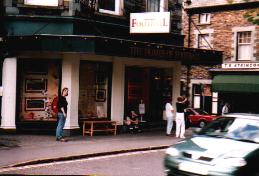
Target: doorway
[[153, 86]]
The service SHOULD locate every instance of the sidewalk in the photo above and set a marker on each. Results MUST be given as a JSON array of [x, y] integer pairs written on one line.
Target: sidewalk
[[23, 149]]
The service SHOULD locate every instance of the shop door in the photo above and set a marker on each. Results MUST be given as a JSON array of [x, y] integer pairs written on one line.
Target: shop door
[[153, 86]]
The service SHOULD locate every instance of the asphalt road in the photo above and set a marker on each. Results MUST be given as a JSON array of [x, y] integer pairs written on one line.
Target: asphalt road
[[147, 163]]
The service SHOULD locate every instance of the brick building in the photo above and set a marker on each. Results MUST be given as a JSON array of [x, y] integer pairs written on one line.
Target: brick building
[[220, 25]]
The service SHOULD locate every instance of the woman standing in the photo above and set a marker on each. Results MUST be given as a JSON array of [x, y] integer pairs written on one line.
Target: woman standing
[[62, 114], [180, 122]]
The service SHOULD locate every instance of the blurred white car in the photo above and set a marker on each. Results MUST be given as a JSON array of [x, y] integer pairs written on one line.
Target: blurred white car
[[228, 146]]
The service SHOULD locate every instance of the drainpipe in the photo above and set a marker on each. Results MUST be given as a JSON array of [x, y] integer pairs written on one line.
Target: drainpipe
[[189, 29]]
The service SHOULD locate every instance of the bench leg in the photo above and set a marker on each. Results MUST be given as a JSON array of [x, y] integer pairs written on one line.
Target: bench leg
[[92, 129], [83, 129]]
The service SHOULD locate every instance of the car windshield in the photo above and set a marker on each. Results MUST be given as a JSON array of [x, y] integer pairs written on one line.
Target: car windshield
[[234, 128], [200, 111]]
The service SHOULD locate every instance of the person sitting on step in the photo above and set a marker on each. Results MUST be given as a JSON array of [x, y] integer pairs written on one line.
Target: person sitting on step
[[132, 122]]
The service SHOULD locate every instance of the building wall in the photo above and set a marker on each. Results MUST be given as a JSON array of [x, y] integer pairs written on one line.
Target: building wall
[[205, 3], [222, 23], [222, 28]]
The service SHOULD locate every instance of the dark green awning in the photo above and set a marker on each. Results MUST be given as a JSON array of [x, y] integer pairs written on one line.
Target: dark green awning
[[236, 83]]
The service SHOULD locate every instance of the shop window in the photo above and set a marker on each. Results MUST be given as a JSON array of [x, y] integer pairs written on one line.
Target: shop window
[[38, 85], [244, 45], [204, 18], [113, 7], [203, 41], [157, 6], [94, 89]]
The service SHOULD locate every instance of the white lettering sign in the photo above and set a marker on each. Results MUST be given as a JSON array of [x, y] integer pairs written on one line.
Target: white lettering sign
[[241, 65], [41, 2], [150, 22]]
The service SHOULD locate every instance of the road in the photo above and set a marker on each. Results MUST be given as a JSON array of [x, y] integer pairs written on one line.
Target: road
[[145, 163]]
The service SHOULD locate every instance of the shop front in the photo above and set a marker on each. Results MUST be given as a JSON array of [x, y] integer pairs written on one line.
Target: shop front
[[239, 89], [106, 77]]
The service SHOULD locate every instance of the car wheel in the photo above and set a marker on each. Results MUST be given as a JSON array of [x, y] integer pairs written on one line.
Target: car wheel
[[202, 123]]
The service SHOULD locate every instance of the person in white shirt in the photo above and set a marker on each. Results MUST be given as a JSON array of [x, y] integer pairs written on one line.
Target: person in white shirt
[[169, 111], [225, 109]]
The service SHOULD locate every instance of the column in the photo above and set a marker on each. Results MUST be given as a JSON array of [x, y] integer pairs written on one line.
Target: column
[[70, 79], [9, 93], [117, 99]]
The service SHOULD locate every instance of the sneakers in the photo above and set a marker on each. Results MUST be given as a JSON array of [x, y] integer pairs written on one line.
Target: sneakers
[[62, 139]]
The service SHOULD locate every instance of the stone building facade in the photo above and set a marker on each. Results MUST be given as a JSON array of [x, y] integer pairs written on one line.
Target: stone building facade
[[221, 25]]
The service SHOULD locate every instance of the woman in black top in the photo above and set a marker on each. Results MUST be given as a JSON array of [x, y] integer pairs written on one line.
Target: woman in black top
[[180, 122], [62, 114]]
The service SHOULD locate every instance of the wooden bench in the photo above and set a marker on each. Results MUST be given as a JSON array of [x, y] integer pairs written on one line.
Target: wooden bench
[[99, 125]]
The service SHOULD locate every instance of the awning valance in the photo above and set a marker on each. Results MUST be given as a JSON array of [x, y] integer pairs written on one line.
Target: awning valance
[[236, 83]]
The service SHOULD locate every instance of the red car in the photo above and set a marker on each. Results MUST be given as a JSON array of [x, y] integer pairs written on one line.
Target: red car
[[198, 117]]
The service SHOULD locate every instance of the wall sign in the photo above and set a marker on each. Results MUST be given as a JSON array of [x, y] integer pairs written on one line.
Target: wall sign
[[42, 2], [241, 65], [150, 22]]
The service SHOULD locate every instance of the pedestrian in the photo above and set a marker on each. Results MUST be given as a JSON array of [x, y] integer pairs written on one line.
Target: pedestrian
[[62, 114], [180, 121], [141, 108], [225, 109], [169, 112]]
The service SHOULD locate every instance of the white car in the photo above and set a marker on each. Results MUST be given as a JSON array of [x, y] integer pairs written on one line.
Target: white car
[[228, 146]]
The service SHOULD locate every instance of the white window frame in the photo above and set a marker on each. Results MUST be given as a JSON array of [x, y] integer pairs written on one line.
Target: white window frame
[[163, 6], [42, 2], [204, 31], [118, 8], [206, 16], [235, 30], [206, 45]]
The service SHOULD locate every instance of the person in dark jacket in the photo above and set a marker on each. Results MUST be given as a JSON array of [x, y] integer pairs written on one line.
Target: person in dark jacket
[[62, 114]]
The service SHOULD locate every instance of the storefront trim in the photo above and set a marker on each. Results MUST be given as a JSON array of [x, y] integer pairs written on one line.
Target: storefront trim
[[113, 47], [236, 83]]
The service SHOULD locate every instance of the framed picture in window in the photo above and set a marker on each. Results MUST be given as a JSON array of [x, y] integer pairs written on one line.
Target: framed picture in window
[[35, 104], [35, 85], [100, 95]]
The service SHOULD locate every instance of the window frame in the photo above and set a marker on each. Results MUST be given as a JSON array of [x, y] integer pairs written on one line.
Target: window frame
[[204, 31], [207, 21], [163, 6], [238, 43], [118, 8], [234, 52], [59, 3], [206, 46]]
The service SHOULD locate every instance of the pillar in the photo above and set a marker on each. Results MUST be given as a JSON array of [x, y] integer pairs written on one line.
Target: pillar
[[70, 79], [9, 94], [117, 99]]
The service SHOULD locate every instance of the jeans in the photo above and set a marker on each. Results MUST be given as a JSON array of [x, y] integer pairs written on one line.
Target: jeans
[[61, 124]]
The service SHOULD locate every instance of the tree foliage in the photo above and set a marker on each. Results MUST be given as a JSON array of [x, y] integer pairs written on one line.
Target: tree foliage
[[252, 16]]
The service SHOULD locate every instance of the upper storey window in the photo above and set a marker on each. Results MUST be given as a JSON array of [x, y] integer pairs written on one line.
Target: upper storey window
[[204, 18], [244, 45], [54, 3], [113, 7], [157, 6]]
